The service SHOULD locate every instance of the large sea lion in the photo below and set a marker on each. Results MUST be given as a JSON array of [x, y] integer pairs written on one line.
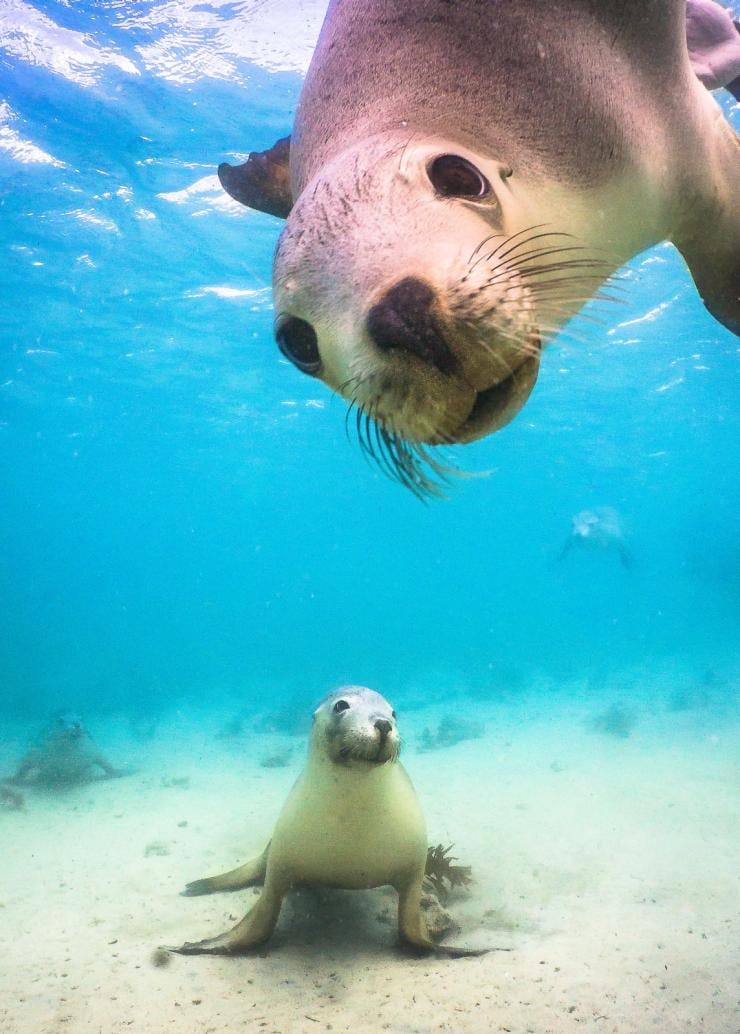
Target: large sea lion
[[461, 178], [351, 821]]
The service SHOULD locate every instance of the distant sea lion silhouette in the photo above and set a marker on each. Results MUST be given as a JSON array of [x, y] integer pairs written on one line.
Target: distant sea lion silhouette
[[64, 753], [598, 529], [352, 820], [461, 179]]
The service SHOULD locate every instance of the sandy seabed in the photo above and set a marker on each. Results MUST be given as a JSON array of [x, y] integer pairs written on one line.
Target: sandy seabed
[[607, 865]]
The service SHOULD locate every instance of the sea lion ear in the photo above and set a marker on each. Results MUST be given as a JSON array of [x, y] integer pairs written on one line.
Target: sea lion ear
[[263, 181]]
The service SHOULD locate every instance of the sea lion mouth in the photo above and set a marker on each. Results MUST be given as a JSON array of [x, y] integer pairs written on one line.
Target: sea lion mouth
[[368, 753], [494, 407], [404, 456]]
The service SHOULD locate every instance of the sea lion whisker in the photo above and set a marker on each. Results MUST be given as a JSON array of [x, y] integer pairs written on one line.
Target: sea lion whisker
[[555, 265], [507, 240], [486, 240], [540, 271], [516, 253], [517, 261], [407, 459], [534, 271], [617, 294], [527, 240], [384, 457], [476, 258], [397, 467], [595, 250], [527, 229], [367, 441]]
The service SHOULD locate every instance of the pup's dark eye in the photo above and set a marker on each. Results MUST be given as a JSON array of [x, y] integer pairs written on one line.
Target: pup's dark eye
[[393, 714], [453, 176], [341, 705], [298, 342]]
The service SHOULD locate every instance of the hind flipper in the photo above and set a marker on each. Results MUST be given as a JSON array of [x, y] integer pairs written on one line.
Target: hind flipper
[[247, 875], [263, 181], [253, 930]]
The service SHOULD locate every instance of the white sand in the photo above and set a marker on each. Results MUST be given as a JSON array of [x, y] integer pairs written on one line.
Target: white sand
[[613, 876]]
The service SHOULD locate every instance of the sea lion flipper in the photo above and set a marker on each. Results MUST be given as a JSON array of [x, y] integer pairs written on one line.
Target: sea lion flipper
[[710, 239], [110, 771], [412, 927], [254, 929], [714, 264], [263, 181], [247, 875]]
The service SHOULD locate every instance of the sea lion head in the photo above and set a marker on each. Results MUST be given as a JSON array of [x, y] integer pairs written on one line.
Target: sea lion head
[[600, 525], [356, 726], [583, 524], [406, 278], [67, 725]]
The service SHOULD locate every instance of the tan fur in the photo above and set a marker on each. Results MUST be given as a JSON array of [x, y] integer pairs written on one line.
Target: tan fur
[[351, 822]]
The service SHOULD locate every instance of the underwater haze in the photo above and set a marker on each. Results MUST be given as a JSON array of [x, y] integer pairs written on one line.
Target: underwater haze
[[191, 541]]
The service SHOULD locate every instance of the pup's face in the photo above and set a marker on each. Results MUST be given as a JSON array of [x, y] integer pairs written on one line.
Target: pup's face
[[358, 727]]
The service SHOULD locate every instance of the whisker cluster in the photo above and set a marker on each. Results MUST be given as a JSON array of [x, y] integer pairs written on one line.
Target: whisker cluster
[[400, 459], [552, 268]]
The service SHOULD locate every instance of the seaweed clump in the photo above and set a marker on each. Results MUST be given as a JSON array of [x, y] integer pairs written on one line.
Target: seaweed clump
[[440, 875], [451, 730]]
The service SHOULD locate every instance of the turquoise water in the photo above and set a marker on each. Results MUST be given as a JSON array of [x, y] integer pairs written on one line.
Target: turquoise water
[[182, 515], [193, 552]]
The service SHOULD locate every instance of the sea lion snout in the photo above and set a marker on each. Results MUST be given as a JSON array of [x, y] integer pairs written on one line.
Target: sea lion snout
[[383, 726], [404, 320]]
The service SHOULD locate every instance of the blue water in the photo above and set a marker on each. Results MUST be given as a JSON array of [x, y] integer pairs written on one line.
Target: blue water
[[182, 515], [192, 552]]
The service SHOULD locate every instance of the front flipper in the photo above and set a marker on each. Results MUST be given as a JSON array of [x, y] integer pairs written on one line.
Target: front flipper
[[709, 240], [247, 875], [412, 927], [713, 258], [254, 929], [263, 181]]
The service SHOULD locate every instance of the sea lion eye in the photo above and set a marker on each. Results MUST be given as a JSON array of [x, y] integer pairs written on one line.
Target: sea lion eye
[[393, 714], [341, 705], [298, 342], [453, 176]]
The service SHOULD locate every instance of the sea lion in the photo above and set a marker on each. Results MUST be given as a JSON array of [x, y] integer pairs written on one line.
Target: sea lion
[[352, 820], [598, 529], [64, 753], [463, 177]]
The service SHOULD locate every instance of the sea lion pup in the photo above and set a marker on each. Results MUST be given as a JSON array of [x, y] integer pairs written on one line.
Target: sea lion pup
[[352, 821], [598, 529], [461, 178], [64, 753]]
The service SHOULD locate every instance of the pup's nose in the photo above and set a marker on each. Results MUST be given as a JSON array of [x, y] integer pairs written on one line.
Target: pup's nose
[[383, 726], [403, 320]]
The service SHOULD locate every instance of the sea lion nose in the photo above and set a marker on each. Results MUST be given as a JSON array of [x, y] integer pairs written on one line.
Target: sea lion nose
[[383, 726], [403, 321]]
